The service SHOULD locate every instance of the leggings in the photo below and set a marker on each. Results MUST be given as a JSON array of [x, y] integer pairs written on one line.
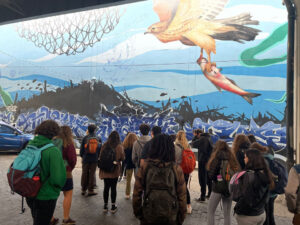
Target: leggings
[[110, 183], [214, 200], [188, 197]]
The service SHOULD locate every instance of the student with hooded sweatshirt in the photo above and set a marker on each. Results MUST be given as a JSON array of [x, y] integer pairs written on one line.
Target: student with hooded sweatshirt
[[52, 174]]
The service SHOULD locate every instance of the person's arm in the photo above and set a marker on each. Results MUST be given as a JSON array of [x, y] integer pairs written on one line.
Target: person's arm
[[57, 168], [82, 147], [181, 193], [291, 190], [139, 187], [214, 169], [71, 156]]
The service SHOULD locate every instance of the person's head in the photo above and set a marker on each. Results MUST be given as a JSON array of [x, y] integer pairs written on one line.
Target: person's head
[[195, 132], [66, 135], [173, 137], [198, 132], [255, 161], [259, 147], [48, 129], [129, 140], [92, 128], [162, 148], [113, 139], [240, 141], [156, 130], [251, 138], [181, 139], [144, 129], [222, 148]]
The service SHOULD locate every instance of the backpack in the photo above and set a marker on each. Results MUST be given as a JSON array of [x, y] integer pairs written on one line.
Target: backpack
[[235, 188], [188, 162], [139, 154], [223, 179], [160, 204], [24, 173], [91, 145], [107, 160], [280, 176]]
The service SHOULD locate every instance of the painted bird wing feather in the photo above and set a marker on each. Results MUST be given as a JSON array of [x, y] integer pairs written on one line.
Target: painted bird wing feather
[[193, 9], [165, 9]]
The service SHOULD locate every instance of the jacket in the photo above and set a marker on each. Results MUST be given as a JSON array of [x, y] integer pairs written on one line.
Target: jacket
[[137, 149], [178, 153], [146, 149], [86, 157], [204, 146], [255, 186], [120, 156], [215, 166], [139, 188], [53, 171], [69, 155], [292, 190], [128, 159]]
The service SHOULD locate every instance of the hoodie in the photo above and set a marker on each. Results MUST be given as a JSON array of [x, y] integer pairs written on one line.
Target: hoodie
[[53, 170]]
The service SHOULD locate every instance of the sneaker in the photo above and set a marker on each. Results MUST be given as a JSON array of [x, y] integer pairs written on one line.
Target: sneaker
[[68, 222], [189, 209], [54, 221], [91, 193], [83, 192], [201, 199], [127, 197], [113, 209], [105, 208]]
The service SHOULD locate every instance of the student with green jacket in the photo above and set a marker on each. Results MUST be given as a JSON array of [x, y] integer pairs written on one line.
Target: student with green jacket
[[53, 174]]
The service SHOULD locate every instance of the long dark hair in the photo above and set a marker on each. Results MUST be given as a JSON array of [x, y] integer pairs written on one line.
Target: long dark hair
[[240, 141], [162, 148], [113, 140], [222, 146], [257, 163]]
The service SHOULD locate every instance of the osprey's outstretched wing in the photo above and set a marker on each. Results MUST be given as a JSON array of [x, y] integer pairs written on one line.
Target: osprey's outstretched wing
[[165, 9]]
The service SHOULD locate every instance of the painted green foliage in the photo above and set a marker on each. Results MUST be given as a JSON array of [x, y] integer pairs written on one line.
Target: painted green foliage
[[6, 98]]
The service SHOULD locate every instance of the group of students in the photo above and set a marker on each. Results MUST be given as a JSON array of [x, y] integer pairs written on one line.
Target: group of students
[[160, 194]]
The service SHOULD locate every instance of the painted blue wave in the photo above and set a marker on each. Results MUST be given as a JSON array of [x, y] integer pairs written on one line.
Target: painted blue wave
[[130, 87], [278, 70], [41, 78]]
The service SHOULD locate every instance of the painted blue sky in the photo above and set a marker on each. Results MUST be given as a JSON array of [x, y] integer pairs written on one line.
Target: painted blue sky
[[126, 57]]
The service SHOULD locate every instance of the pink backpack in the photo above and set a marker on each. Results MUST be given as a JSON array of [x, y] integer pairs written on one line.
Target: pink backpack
[[235, 185]]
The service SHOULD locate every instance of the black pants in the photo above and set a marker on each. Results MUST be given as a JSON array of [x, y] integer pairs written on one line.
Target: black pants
[[88, 176], [203, 179], [269, 207], [41, 210], [188, 197], [110, 183]]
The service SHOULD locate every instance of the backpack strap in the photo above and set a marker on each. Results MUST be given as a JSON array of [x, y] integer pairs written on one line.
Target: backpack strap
[[140, 144]]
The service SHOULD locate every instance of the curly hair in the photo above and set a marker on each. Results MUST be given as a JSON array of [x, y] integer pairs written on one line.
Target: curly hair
[[66, 135], [92, 128], [222, 146], [162, 148], [240, 141], [48, 128], [144, 129], [181, 139], [129, 140]]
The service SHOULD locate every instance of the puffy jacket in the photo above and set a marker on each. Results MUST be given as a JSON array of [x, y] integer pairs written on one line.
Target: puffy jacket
[[53, 170], [139, 188], [255, 186], [292, 190]]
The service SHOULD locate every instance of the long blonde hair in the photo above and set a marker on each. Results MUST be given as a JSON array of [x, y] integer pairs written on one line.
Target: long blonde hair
[[181, 139], [129, 140]]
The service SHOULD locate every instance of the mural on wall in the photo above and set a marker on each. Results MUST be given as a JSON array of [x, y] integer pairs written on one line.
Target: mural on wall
[[179, 64]]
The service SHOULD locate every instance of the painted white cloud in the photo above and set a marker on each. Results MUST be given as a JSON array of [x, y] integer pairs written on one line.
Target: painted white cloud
[[262, 13], [132, 47], [4, 65], [45, 58]]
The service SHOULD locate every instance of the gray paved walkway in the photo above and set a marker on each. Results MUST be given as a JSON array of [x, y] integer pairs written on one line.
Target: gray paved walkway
[[88, 210]]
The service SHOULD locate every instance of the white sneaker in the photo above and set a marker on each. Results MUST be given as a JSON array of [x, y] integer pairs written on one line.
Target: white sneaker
[[189, 209]]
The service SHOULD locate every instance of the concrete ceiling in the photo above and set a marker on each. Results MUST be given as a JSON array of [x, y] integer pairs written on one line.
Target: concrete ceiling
[[19, 10]]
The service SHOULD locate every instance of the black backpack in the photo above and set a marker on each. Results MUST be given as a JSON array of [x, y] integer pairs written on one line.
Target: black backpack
[[107, 160], [280, 176], [160, 205], [223, 179]]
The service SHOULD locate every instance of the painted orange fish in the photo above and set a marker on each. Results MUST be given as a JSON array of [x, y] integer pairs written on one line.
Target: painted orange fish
[[222, 82]]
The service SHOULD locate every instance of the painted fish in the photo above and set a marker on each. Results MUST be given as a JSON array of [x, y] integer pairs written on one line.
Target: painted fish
[[163, 94], [222, 82]]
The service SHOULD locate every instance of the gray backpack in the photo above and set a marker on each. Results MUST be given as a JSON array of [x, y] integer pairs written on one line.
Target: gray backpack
[[160, 205]]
